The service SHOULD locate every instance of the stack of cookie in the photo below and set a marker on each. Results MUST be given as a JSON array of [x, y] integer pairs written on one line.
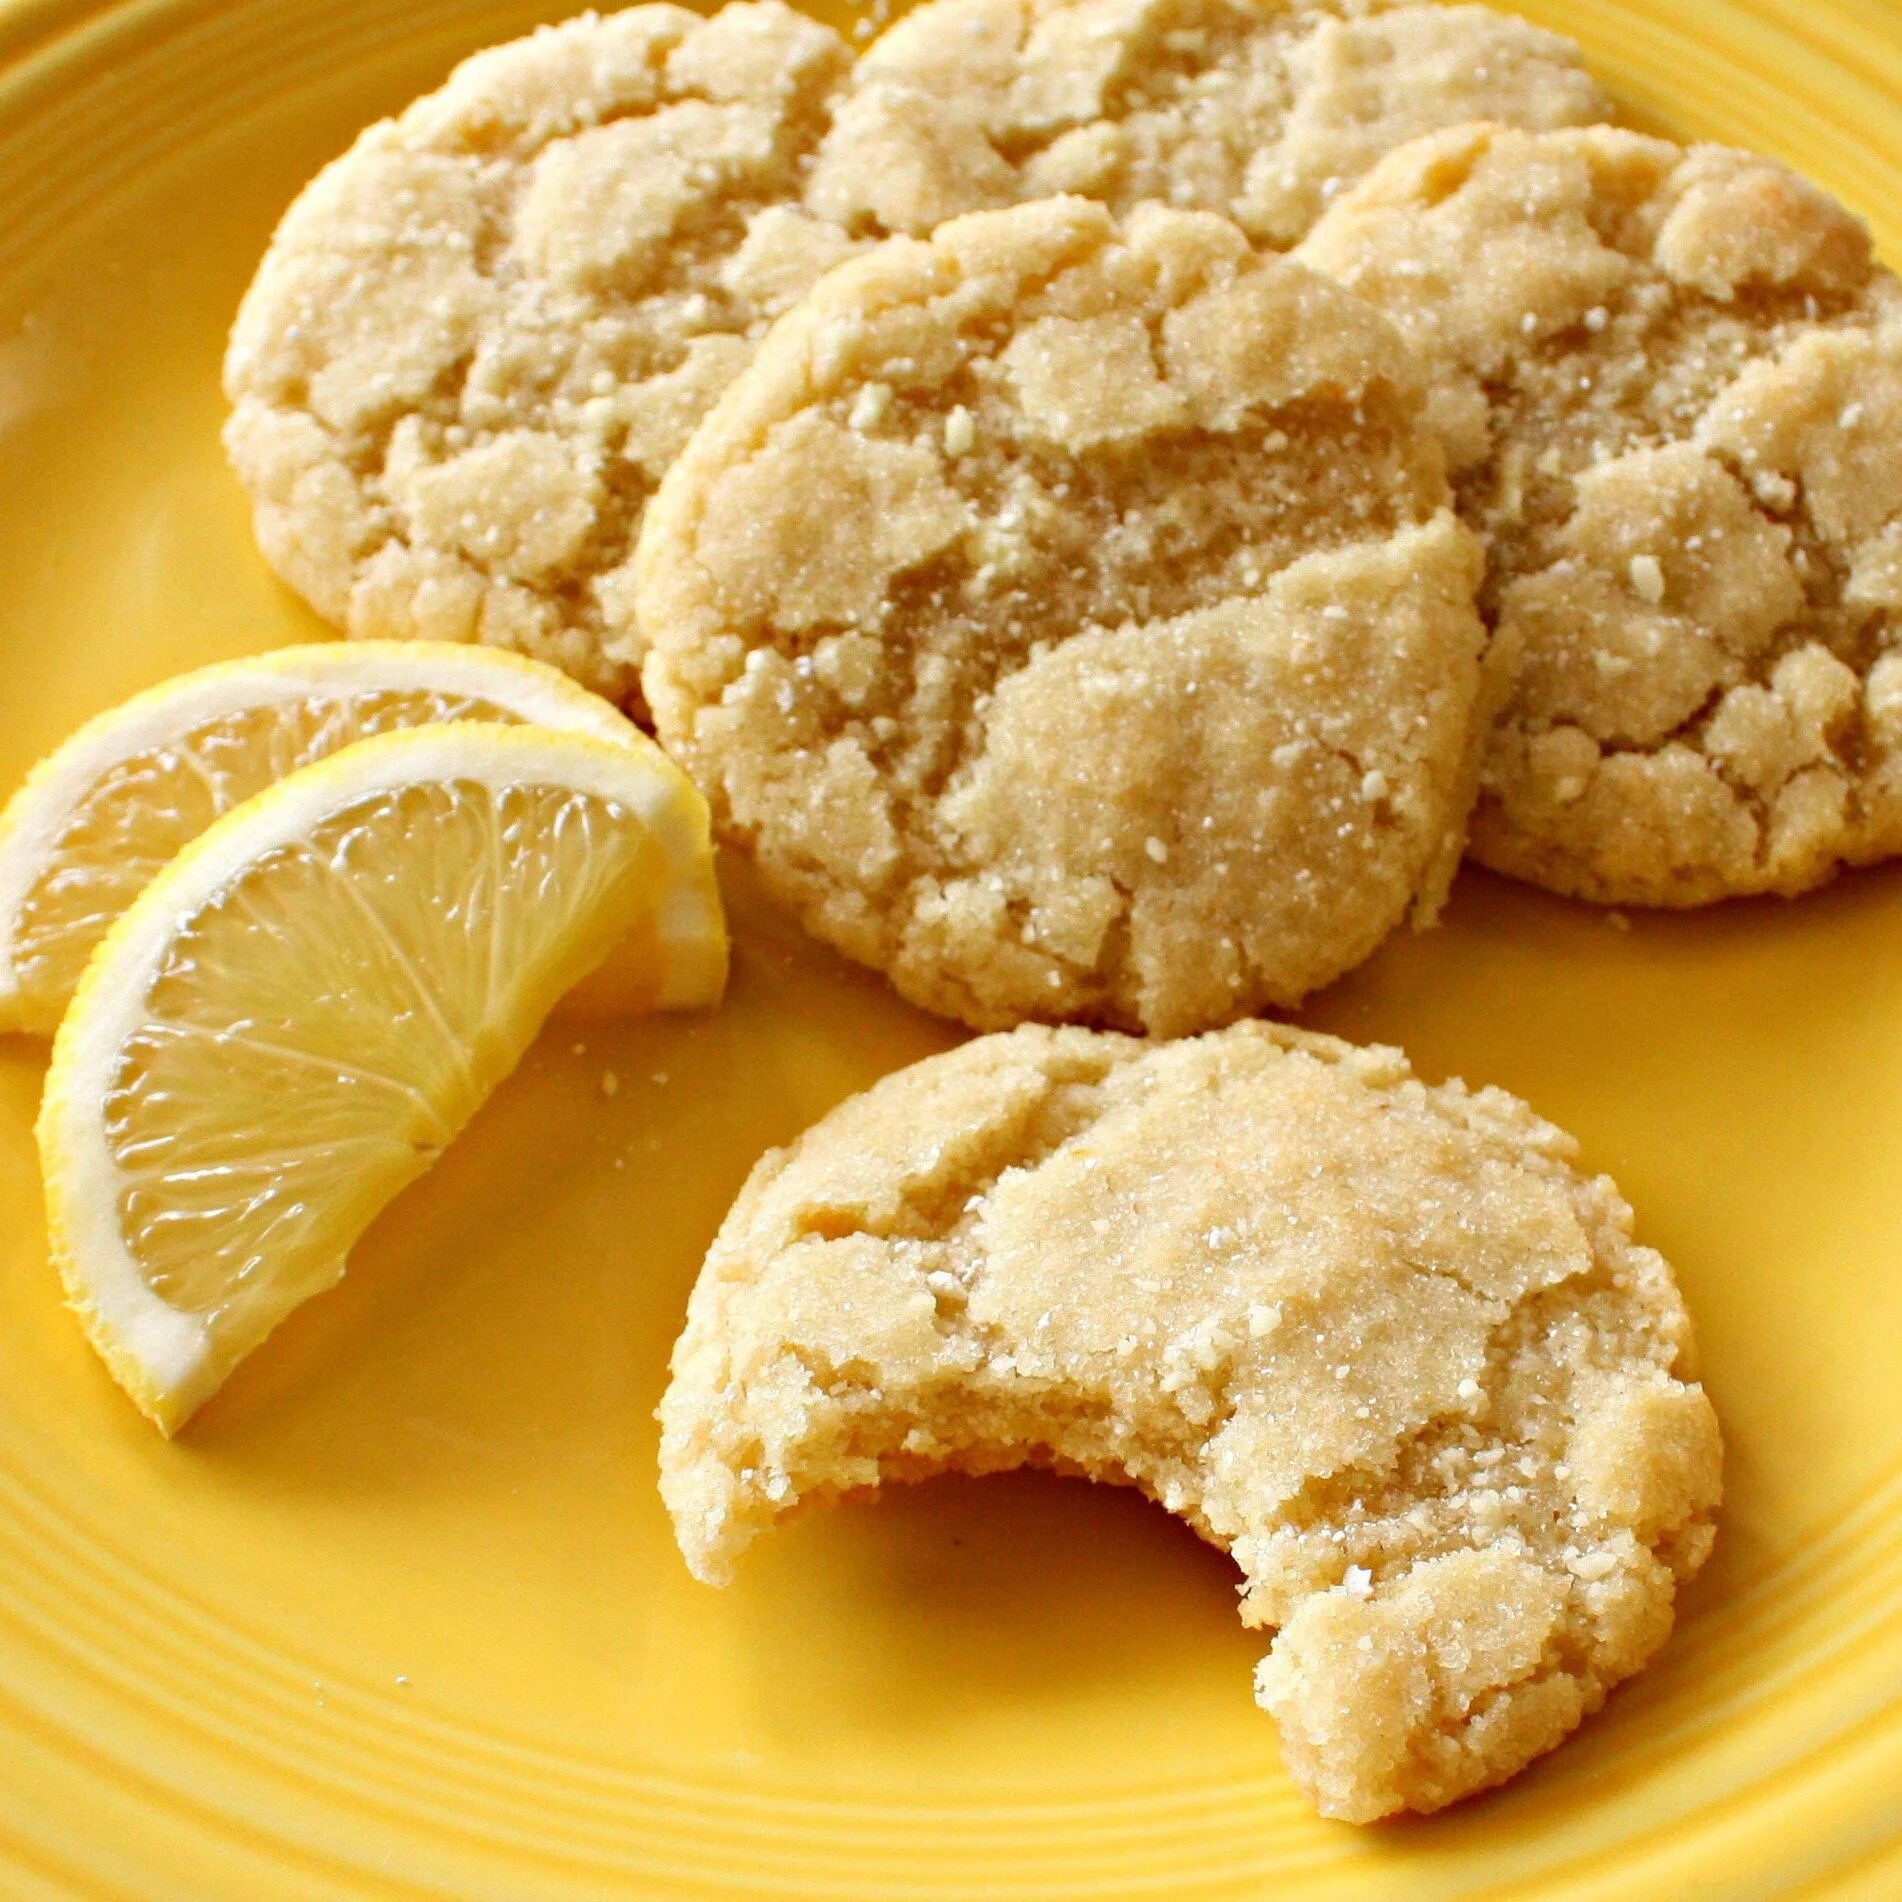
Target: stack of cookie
[[1106, 497], [1081, 614]]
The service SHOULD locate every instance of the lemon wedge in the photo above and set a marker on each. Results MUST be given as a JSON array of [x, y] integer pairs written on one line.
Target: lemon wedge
[[101, 815], [295, 1016]]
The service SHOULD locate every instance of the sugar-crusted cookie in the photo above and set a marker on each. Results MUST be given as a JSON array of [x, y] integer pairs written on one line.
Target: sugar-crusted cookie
[[1673, 379], [1383, 1343], [1258, 109], [1069, 620], [481, 334]]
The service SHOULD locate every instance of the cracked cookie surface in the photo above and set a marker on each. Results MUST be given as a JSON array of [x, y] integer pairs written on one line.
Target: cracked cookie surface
[[1383, 1343], [1672, 382], [480, 335], [1257, 109], [1068, 618]]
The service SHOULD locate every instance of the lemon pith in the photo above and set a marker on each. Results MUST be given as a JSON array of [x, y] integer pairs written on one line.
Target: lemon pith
[[293, 1019]]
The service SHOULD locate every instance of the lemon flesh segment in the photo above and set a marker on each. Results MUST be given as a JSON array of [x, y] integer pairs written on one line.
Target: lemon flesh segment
[[103, 814], [292, 1020]]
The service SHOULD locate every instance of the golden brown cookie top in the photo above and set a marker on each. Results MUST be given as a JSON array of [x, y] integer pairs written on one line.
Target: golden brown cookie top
[[480, 335], [1382, 1342], [1257, 109], [1067, 618], [1672, 382]]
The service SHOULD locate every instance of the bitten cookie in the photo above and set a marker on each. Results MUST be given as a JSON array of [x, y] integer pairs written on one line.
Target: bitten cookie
[[1068, 618], [1258, 109], [480, 335], [1383, 1343], [1673, 380]]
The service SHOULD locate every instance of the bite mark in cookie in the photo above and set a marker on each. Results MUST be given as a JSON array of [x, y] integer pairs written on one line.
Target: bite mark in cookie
[[1381, 1342]]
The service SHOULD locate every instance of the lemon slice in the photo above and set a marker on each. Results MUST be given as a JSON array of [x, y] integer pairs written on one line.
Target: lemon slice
[[297, 1014], [99, 817]]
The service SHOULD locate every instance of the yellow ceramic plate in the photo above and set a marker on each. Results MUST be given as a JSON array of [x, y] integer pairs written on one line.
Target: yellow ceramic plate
[[400, 1615]]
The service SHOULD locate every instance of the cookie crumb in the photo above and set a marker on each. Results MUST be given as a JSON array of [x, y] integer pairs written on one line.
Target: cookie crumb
[[869, 406], [1647, 578]]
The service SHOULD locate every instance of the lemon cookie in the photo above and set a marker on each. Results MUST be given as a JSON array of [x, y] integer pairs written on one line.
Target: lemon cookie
[[1383, 1343], [1068, 618], [1258, 109], [1673, 379], [480, 335]]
